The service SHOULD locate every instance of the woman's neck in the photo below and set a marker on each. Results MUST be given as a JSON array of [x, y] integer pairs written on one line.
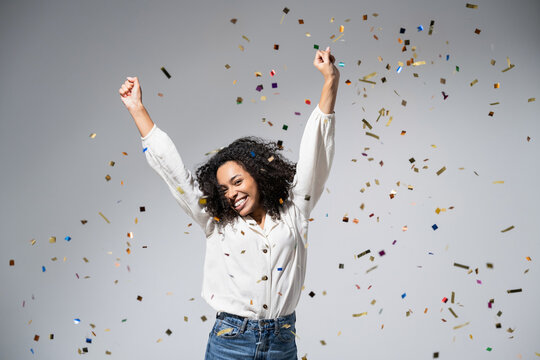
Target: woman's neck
[[259, 215]]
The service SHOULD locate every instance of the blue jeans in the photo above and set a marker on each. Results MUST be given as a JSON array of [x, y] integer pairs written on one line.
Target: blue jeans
[[237, 338]]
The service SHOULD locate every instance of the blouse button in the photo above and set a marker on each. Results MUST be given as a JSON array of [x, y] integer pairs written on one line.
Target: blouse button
[[265, 306], [265, 277], [265, 251]]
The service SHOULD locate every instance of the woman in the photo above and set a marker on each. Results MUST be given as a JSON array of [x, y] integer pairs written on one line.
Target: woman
[[253, 206]]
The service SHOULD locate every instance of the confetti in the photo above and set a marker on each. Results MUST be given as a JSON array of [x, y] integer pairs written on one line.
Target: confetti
[[103, 216], [165, 72], [460, 326], [372, 135], [474, 82], [531, 99], [360, 314], [441, 170], [477, 31], [471, 6], [508, 229], [276, 47], [513, 291], [461, 266], [234, 21], [92, 135]]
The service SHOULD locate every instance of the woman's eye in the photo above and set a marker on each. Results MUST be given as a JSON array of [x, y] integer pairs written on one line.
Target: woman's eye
[[238, 182]]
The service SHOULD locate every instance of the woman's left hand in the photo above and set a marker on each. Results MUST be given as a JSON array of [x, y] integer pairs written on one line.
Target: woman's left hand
[[324, 62]]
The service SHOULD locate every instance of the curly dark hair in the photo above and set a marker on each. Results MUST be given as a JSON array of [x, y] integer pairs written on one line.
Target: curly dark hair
[[272, 173]]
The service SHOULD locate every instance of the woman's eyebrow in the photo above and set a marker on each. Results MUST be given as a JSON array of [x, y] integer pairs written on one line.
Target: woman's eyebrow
[[234, 177]]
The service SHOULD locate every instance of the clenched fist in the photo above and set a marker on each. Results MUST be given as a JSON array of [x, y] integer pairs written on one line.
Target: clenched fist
[[131, 93], [324, 62]]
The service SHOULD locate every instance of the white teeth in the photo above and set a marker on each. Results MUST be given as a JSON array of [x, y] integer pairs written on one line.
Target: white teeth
[[240, 202]]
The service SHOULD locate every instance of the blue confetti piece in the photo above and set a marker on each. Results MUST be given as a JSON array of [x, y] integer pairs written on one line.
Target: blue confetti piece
[[430, 253], [279, 269], [43, 269], [32, 350], [447, 57], [403, 295], [144, 150], [88, 340], [341, 64], [326, 215], [435, 227], [67, 238], [420, 28], [398, 70], [76, 321], [252, 153]]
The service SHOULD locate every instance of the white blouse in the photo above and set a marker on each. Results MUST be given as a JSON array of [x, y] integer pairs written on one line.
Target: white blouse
[[249, 271]]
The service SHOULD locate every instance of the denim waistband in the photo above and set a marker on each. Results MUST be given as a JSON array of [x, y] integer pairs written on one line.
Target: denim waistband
[[257, 324]]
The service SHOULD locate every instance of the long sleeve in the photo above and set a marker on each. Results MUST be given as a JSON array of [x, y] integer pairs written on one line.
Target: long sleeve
[[163, 157], [315, 160]]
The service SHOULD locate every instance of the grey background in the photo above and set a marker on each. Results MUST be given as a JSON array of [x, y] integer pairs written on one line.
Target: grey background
[[62, 63]]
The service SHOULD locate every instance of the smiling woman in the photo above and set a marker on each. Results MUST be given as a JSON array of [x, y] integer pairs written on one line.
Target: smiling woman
[[248, 168], [254, 207]]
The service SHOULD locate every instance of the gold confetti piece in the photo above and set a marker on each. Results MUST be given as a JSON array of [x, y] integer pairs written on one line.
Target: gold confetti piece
[[495, 103], [441, 170], [366, 81], [341, 28], [528, 258], [52, 239], [241, 47], [221, 332], [531, 99], [508, 229], [245, 38], [372, 135], [452, 311], [308, 34], [471, 6], [301, 21], [258, 74], [108, 177], [360, 314], [92, 135], [339, 37], [367, 124], [180, 190], [462, 325], [103, 216], [85, 260], [202, 201], [511, 66], [477, 31], [11, 262], [403, 102], [514, 291], [370, 76], [371, 269], [497, 85], [499, 182], [461, 266], [418, 63], [474, 82]]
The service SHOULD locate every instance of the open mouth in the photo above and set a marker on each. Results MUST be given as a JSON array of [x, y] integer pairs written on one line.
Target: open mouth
[[239, 204]]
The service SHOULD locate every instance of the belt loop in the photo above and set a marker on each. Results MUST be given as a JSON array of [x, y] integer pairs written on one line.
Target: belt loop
[[244, 324], [276, 326]]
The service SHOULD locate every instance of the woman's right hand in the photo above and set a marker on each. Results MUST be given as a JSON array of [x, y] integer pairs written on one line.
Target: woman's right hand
[[131, 93]]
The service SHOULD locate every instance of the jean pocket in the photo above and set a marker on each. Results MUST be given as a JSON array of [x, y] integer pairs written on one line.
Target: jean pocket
[[225, 330], [287, 333]]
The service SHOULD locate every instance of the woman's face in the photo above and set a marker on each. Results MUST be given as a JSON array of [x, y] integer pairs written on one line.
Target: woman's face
[[238, 187]]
